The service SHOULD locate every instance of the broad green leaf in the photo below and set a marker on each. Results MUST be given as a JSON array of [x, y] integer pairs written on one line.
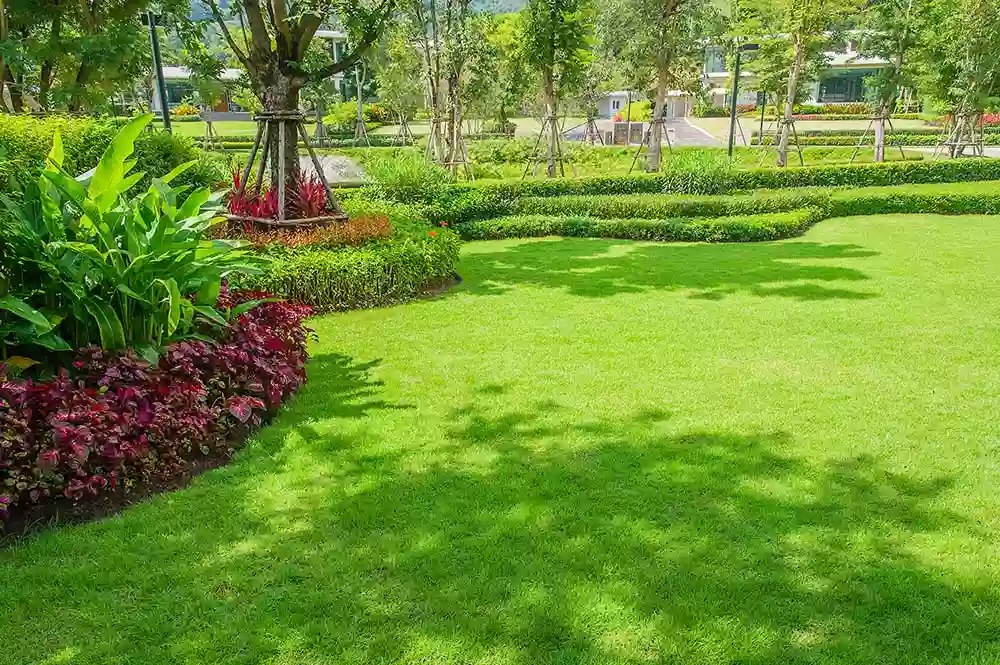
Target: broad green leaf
[[243, 308], [53, 342], [55, 159], [173, 300], [192, 205], [208, 294], [132, 294], [108, 324], [20, 362], [23, 310], [176, 172], [210, 314], [110, 170]]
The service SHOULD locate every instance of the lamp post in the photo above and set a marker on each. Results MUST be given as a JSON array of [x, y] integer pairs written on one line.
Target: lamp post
[[161, 84], [736, 91]]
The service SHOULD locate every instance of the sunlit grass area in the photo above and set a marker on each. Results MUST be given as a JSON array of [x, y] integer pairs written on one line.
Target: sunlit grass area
[[597, 452]]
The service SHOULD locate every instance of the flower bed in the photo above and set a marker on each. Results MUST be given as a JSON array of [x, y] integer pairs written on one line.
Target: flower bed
[[114, 422]]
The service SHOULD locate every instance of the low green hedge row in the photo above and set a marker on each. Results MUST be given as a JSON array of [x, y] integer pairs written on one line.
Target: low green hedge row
[[826, 117], [245, 142], [467, 202], [979, 197], [910, 131], [373, 275], [904, 139], [739, 228]]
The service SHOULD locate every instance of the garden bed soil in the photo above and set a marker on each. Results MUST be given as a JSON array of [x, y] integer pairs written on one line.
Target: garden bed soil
[[62, 512]]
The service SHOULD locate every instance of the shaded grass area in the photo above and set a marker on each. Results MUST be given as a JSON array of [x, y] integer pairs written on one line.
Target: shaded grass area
[[592, 452]]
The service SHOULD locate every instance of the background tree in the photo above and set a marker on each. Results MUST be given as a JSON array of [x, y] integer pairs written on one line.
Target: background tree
[[958, 58], [558, 35], [890, 33], [400, 72], [662, 43], [275, 41], [797, 32]]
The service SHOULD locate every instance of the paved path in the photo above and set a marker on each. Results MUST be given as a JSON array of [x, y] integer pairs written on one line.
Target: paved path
[[681, 132], [336, 168]]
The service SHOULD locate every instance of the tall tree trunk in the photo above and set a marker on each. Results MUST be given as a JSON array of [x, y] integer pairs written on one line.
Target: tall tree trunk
[[549, 92], [82, 77], [14, 90], [883, 112], [793, 83], [656, 135], [454, 121], [281, 93], [359, 80], [47, 73]]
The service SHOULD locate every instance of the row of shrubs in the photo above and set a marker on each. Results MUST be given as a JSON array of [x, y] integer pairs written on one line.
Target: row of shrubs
[[979, 197], [244, 142], [738, 228], [761, 216], [910, 131], [109, 422], [466, 202], [897, 139]]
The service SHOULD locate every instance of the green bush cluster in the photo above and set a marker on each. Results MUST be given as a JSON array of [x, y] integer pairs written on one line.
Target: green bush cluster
[[740, 228], [374, 275], [25, 141], [244, 142]]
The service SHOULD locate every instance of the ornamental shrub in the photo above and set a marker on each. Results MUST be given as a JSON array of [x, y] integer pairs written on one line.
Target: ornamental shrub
[[111, 421], [741, 228], [375, 274]]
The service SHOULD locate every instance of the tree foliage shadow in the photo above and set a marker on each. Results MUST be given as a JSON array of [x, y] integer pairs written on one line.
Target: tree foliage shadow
[[528, 537], [601, 268]]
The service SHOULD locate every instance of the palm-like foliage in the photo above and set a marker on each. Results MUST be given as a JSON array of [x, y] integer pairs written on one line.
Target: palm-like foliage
[[91, 264]]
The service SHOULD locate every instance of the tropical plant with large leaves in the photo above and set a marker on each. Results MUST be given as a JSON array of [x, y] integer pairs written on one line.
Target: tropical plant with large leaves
[[92, 264]]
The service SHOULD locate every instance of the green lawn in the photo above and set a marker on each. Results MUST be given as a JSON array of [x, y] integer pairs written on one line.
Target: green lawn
[[594, 452]]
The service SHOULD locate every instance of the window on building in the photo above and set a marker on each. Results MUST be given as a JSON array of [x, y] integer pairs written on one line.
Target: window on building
[[715, 60], [616, 104], [839, 87]]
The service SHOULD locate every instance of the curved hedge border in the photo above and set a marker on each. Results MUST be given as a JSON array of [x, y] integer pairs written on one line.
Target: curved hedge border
[[739, 228], [760, 216], [471, 201], [373, 275]]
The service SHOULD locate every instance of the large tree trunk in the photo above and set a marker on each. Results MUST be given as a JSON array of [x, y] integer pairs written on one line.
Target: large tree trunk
[[14, 90], [549, 92], [793, 83], [47, 73], [281, 93], [82, 77], [656, 135]]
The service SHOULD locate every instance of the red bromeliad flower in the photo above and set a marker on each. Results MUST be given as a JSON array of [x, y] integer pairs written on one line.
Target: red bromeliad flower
[[432, 233]]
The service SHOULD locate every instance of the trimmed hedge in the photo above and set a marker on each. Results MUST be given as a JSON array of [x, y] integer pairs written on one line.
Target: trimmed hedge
[[245, 142], [373, 275], [759, 216], [741, 228], [468, 202], [894, 140]]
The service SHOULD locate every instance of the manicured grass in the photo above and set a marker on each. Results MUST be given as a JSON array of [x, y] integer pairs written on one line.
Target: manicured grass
[[594, 452]]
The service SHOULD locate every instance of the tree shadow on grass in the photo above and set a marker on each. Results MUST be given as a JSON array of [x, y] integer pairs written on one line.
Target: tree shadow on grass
[[525, 537], [600, 268]]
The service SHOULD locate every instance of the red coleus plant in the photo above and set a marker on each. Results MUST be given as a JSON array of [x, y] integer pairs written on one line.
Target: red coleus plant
[[307, 199], [111, 421]]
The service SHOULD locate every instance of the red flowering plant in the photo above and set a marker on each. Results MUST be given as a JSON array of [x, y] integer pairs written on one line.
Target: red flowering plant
[[113, 420], [307, 199]]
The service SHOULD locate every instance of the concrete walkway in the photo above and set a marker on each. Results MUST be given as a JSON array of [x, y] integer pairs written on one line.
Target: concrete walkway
[[336, 168]]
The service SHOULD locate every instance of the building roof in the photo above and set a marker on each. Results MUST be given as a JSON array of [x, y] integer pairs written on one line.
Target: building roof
[[179, 73]]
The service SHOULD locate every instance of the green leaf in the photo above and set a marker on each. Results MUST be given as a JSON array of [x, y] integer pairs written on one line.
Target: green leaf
[[176, 172], [208, 294], [53, 342], [55, 159], [108, 324], [132, 294], [211, 314], [107, 179], [173, 300], [23, 310], [243, 308]]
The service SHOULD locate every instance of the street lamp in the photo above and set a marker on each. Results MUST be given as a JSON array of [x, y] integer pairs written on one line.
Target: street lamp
[[744, 48], [161, 84]]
